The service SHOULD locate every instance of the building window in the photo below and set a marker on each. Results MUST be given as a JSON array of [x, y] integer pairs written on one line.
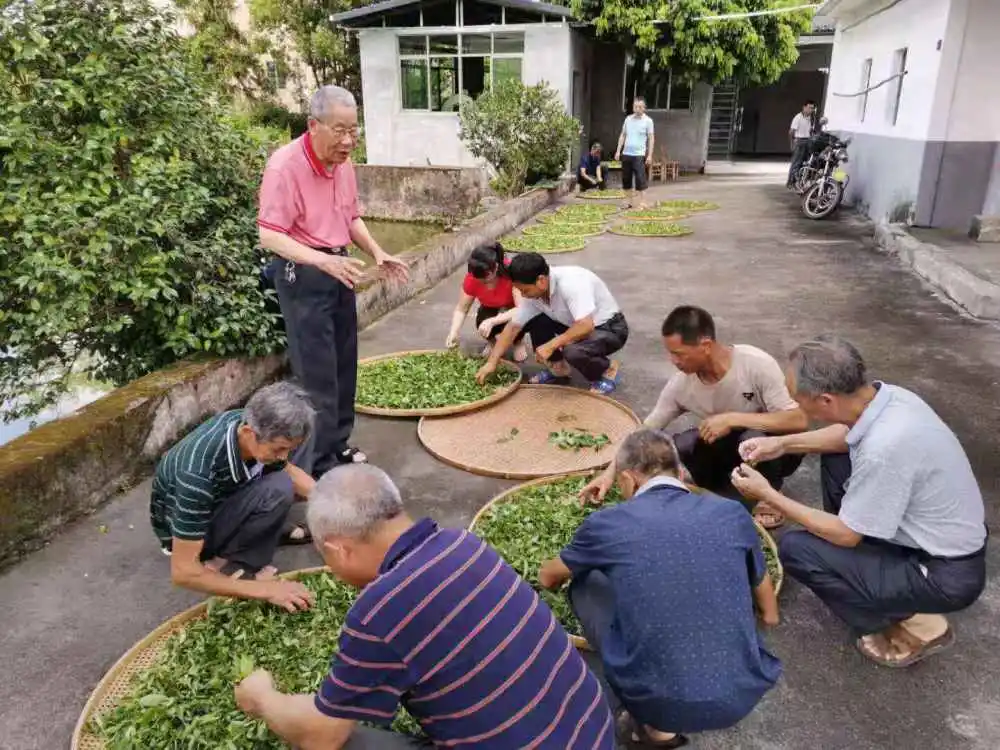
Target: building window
[[896, 87], [657, 87], [866, 81], [438, 70]]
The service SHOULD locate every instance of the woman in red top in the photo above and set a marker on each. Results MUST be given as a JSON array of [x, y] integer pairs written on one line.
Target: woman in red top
[[487, 283]]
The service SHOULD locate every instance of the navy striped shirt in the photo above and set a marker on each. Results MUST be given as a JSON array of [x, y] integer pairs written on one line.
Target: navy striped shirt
[[449, 630]]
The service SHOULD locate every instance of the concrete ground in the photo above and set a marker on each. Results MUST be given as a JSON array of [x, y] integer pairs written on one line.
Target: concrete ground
[[771, 278]]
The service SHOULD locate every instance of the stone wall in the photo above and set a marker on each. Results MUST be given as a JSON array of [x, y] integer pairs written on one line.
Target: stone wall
[[420, 193], [69, 467]]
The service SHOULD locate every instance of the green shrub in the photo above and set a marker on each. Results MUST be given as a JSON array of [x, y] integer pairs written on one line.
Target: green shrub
[[274, 115], [519, 129], [127, 202]]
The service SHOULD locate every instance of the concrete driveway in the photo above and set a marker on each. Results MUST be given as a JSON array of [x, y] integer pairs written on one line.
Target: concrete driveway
[[771, 278]]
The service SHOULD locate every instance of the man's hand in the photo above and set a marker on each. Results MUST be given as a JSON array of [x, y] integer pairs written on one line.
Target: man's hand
[[649, 159], [544, 352], [485, 371], [760, 449], [618, 156], [553, 574], [290, 595], [486, 326], [346, 270], [395, 269], [597, 489], [750, 482], [253, 691], [715, 427], [769, 619]]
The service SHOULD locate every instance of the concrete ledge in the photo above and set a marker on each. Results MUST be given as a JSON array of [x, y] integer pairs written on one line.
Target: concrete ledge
[[985, 228], [978, 296], [68, 467], [420, 193]]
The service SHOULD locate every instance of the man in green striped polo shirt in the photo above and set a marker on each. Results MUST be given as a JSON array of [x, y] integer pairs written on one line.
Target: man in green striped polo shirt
[[221, 498]]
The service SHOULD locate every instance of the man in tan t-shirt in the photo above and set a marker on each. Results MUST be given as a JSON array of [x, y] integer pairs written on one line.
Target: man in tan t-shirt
[[737, 392]]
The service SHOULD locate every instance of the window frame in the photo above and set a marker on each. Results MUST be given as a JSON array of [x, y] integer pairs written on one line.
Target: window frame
[[459, 54], [866, 81], [896, 87], [627, 99]]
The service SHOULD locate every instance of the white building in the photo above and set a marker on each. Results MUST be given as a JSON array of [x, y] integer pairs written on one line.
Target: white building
[[924, 144]]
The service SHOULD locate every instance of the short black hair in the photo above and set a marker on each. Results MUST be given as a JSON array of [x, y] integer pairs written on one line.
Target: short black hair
[[690, 323], [807, 102], [485, 258], [527, 267], [593, 143]]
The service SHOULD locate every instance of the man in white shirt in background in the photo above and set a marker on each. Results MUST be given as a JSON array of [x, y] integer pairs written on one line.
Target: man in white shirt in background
[[799, 133], [635, 151]]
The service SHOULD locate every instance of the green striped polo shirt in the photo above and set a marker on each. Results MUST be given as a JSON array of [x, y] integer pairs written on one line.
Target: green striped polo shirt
[[195, 476]]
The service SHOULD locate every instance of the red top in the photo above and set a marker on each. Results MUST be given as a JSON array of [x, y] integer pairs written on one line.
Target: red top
[[502, 295]]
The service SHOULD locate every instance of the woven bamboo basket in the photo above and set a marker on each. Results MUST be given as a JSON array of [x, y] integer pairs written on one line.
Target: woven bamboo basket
[[440, 411], [581, 643], [117, 682]]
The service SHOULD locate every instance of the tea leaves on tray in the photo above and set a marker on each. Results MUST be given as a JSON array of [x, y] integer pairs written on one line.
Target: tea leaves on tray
[[544, 243], [597, 211], [426, 381], [652, 229], [578, 438], [682, 205], [185, 700], [549, 229], [655, 214], [603, 195]]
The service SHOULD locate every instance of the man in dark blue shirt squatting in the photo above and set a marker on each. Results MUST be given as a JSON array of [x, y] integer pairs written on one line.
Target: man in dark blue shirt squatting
[[591, 173], [664, 586]]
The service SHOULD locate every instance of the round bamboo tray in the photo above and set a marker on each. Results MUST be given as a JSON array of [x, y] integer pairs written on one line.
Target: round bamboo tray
[[440, 411], [622, 230], [652, 215], [573, 230], [510, 439], [534, 243], [602, 195], [506, 496], [117, 682], [687, 205]]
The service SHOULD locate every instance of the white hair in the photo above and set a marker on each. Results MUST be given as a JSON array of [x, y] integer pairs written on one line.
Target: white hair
[[328, 97], [352, 501]]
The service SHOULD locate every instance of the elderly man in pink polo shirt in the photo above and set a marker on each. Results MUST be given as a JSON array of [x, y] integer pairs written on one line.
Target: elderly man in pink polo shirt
[[308, 216]]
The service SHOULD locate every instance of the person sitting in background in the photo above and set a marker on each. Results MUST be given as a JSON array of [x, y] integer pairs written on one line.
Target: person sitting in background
[[901, 539], [591, 174], [736, 391], [221, 497], [664, 586], [573, 321], [442, 625], [488, 283]]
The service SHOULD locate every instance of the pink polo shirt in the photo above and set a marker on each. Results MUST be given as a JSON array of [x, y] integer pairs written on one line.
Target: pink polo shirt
[[301, 198]]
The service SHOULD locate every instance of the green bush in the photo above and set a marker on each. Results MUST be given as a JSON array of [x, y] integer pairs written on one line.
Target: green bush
[[275, 116], [127, 202], [519, 129]]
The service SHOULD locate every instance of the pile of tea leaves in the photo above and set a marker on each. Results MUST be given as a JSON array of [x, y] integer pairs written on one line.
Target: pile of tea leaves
[[656, 213], [590, 211], [578, 438], [551, 229], [544, 243], [651, 229], [603, 195], [611, 164], [185, 700], [583, 221], [682, 205], [427, 380]]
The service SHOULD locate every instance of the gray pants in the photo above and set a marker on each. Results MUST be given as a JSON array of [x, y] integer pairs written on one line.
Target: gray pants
[[799, 154], [247, 526], [590, 355], [321, 324], [366, 738]]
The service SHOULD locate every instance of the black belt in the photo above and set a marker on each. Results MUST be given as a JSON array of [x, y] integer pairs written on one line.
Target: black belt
[[332, 250]]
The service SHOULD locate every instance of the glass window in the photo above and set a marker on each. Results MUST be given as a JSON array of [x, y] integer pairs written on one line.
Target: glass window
[[413, 77], [440, 13], [444, 82], [413, 45], [896, 87], [481, 14], [866, 81], [443, 44], [408, 18], [680, 96], [506, 69], [476, 44], [508, 43]]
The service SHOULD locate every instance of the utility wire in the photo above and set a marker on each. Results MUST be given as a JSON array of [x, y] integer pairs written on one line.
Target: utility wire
[[749, 14], [872, 88]]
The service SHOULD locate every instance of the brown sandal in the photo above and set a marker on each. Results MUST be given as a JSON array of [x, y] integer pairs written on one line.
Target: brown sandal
[[891, 653]]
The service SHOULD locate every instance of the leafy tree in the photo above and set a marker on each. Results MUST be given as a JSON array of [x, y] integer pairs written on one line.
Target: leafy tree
[[754, 50], [127, 202], [331, 54], [516, 127]]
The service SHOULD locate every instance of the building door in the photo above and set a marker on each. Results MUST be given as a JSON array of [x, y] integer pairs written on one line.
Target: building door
[[724, 121], [768, 112]]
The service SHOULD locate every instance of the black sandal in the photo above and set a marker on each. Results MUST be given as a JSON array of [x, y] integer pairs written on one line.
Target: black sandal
[[628, 729], [351, 455], [288, 537]]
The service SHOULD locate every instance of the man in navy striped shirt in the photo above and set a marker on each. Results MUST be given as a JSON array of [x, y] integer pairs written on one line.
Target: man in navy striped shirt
[[444, 627]]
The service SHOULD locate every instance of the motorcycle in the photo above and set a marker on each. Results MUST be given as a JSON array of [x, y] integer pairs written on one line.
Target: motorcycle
[[822, 179]]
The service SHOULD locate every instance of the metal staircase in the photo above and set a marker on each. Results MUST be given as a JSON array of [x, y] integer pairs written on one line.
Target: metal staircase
[[723, 123]]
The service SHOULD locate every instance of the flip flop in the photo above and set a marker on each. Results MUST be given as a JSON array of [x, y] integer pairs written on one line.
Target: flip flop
[[944, 641], [633, 734], [351, 455], [288, 540], [604, 386], [545, 377]]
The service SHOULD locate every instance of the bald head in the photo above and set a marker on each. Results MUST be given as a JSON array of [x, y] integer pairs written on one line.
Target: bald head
[[352, 501]]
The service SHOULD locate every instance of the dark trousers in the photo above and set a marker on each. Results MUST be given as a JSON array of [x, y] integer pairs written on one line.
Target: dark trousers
[[712, 464], [877, 583], [489, 312], [368, 738], [634, 171], [321, 324], [590, 355], [247, 525], [799, 154], [586, 185]]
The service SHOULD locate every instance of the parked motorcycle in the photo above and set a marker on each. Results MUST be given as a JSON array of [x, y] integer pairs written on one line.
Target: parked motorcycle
[[822, 179]]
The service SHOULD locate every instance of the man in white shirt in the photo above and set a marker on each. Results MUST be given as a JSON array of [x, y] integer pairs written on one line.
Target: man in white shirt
[[901, 538], [635, 150], [799, 133], [573, 321], [737, 392]]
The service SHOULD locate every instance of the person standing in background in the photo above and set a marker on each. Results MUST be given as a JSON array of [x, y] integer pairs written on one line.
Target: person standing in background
[[635, 150], [799, 133], [308, 217]]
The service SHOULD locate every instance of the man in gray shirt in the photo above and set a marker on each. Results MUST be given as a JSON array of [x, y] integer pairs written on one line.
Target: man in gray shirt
[[902, 537], [573, 321]]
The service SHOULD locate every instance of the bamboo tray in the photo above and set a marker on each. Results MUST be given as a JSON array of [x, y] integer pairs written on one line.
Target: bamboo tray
[[439, 411], [506, 496], [117, 682]]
